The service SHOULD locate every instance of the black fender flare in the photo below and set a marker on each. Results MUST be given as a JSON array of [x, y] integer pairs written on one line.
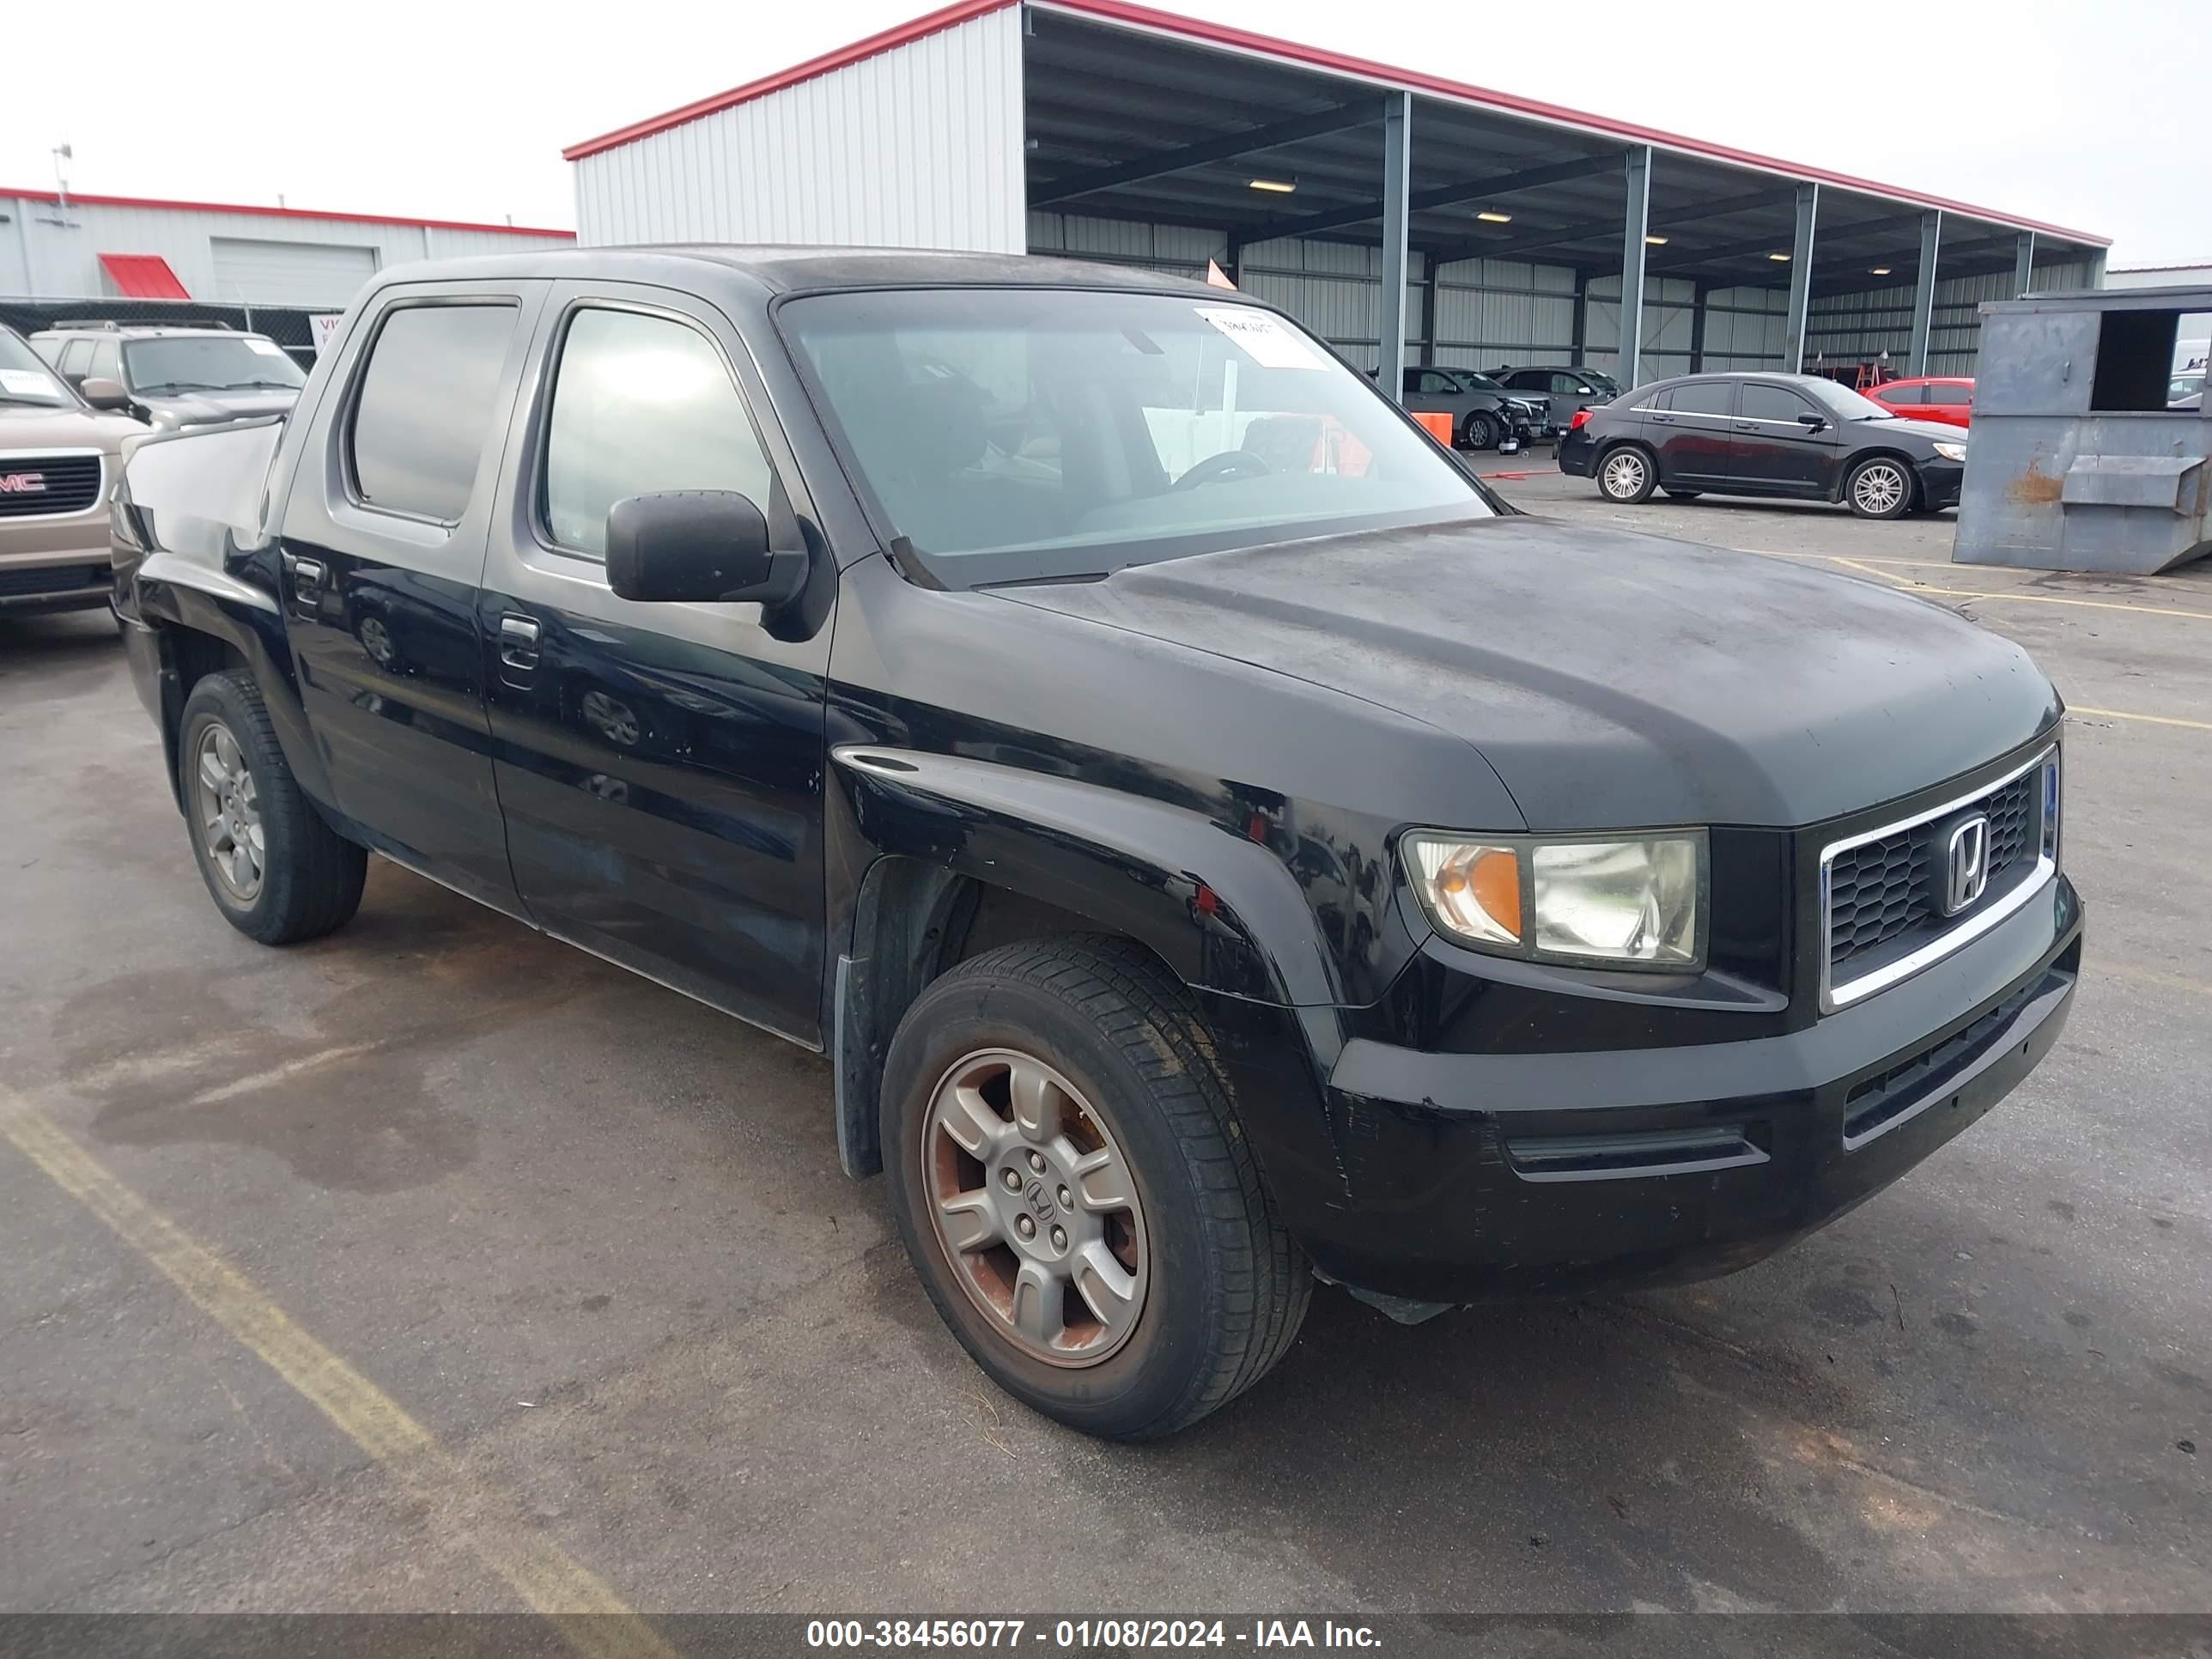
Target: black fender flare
[[1224, 914]]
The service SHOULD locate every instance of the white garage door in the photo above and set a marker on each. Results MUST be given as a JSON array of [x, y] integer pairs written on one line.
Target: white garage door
[[251, 271]]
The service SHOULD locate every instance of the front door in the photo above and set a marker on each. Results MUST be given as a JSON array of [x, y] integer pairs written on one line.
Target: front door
[[384, 539], [1775, 449], [660, 766], [1689, 426]]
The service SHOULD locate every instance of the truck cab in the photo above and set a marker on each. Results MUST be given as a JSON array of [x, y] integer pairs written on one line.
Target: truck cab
[[1219, 845]]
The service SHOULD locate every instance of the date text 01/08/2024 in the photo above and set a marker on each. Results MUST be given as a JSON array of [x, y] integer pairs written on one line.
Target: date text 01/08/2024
[[1081, 1633]]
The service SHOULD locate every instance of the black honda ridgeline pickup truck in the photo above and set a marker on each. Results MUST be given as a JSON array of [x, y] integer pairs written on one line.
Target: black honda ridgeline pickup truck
[[1218, 842]]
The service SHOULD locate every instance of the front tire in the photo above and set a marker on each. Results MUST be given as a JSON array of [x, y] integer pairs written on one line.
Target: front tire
[[1072, 1183], [1482, 430], [276, 870], [1626, 475], [1881, 487]]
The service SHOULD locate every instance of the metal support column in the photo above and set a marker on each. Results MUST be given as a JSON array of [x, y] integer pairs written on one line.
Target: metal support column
[[1703, 291], [1397, 184], [1634, 228], [1428, 353], [1575, 346], [1800, 279], [2023, 265], [1923, 290]]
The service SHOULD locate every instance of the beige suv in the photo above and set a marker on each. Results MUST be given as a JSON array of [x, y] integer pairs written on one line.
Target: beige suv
[[60, 457]]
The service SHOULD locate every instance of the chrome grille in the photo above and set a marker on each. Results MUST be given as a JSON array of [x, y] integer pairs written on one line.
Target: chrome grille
[[45, 485]]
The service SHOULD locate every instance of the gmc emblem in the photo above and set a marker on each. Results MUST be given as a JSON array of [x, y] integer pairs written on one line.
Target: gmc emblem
[[22, 483]]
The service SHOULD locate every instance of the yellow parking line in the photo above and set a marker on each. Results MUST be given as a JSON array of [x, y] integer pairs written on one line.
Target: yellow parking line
[[1866, 566], [595, 1621], [2149, 720]]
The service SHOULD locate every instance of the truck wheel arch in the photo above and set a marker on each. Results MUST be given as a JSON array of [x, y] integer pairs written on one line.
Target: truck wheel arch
[[971, 854]]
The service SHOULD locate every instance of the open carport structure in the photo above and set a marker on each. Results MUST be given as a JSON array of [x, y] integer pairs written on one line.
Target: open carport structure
[[1394, 212]]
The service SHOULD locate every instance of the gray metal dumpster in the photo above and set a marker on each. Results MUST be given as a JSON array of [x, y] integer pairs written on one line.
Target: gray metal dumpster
[[2076, 462]]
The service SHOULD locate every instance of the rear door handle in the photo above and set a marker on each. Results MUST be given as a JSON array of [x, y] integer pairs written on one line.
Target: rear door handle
[[518, 645]]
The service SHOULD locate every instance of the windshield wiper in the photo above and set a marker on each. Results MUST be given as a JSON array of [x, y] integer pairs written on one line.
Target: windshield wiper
[[257, 386], [165, 388]]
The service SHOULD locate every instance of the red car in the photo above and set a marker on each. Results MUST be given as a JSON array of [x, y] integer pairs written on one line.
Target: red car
[[1949, 399]]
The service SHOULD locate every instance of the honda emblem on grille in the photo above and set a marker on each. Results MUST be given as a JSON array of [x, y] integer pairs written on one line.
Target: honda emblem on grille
[[1968, 866], [22, 483]]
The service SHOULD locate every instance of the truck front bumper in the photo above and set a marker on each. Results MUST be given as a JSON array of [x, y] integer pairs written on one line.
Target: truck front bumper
[[1480, 1178]]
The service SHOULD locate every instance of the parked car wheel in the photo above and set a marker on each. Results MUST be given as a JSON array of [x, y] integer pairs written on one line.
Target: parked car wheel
[[1482, 430], [1880, 486], [1684, 494], [275, 869], [1626, 475], [1070, 1181]]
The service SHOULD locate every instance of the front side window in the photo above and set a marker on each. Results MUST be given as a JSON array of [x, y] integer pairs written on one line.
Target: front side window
[[1772, 403], [1019, 433], [642, 403], [107, 360], [427, 405], [76, 358], [1848, 404], [208, 363], [1897, 397]]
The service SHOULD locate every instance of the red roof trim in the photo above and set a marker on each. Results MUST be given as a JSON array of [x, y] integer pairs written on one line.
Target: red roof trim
[[1220, 34], [276, 212], [935, 22], [144, 277]]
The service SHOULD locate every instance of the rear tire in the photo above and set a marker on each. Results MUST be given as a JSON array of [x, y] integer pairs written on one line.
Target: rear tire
[[1482, 430], [1136, 1155], [1881, 487], [276, 870], [1626, 474]]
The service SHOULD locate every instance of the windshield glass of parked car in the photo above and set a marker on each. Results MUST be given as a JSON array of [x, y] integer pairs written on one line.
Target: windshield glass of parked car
[[1475, 382], [25, 378], [208, 363], [1849, 404], [1020, 434]]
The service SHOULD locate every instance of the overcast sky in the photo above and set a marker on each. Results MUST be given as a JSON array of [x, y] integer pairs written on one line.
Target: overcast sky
[[2095, 114]]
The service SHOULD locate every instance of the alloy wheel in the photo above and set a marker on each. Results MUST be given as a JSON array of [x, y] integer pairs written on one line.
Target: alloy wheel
[[1035, 1207], [1880, 490], [228, 812], [1623, 474]]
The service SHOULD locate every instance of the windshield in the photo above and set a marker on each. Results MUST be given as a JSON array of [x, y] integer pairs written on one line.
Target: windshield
[[1604, 383], [2185, 386], [1026, 433], [1848, 403], [208, 363], [25, 378], [1473, 381]]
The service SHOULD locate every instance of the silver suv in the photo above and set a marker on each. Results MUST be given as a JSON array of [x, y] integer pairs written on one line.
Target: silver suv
[[178, 378]]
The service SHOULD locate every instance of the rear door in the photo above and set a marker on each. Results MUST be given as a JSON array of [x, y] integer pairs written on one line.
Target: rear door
[[384, 535], [1774, 449], [660, 766], [1689, 424]]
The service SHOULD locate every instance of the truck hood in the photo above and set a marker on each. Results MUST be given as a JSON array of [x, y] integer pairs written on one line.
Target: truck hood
[[207, 408], [46, 426], [1612, 680]]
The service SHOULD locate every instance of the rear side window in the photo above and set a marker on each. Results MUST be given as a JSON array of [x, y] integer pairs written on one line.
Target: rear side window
[[1772, 403], [1900, 395], [1703, 398], [642, 403], [425, 407]]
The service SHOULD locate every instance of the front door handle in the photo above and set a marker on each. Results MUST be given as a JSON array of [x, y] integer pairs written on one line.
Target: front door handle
[[518, 645], [307, 584]]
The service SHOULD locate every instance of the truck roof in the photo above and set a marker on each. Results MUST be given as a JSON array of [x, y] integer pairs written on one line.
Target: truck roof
[[777, 269]]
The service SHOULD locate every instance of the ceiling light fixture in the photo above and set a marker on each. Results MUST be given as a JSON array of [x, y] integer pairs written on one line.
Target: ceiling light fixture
[[1655, 242], [1489, 218], [1779, 258], [1280, 187], [1878, 270]]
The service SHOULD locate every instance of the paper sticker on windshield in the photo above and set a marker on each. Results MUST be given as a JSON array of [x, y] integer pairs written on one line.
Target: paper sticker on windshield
[[1262, 338], [266, 347], [25, 382]]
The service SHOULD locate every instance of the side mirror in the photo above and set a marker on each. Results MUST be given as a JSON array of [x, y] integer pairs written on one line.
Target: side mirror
[[103, 393], [1811, 421], [697, 546], [1585, 391]]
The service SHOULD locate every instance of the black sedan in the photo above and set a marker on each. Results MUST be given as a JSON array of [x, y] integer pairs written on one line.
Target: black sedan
[[1792, 435]]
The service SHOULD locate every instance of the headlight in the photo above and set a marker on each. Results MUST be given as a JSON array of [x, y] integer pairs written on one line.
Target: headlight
[[1952, 452], [1628, 902]]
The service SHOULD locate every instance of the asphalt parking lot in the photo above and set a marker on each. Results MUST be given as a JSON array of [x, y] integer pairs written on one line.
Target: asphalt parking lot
[[436, 1266]]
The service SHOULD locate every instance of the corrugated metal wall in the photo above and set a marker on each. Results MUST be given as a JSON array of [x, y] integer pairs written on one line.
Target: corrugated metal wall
[[43, 260], [917, 147], [1853, 328]]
